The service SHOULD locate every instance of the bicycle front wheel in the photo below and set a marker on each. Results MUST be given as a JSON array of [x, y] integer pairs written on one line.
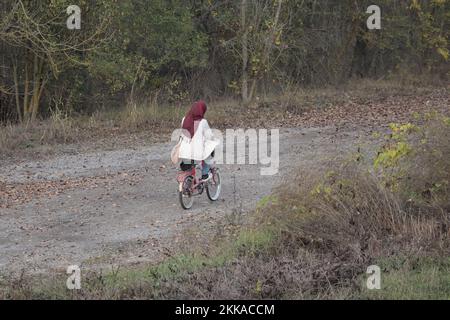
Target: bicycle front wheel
[[214, 186]]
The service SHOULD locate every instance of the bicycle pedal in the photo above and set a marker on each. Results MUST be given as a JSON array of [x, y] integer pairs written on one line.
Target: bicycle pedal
[[207, 179]]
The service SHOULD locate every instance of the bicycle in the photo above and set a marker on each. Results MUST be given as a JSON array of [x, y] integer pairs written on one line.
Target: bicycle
[[189, 186]]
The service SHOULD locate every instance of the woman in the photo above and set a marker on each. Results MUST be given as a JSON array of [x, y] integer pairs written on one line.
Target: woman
[[198, 141]]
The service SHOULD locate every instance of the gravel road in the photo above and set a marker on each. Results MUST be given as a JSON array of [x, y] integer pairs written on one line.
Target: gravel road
[[120, 207]]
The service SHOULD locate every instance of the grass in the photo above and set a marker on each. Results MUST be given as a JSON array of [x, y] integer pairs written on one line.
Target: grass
[[412, 279], [138, 282]]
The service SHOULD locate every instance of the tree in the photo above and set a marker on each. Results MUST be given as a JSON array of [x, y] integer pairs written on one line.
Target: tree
[[256, 35], [154, 41], [39, 47]]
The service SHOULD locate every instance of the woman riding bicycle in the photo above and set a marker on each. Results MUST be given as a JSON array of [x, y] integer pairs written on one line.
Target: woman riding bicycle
[[198, 141]]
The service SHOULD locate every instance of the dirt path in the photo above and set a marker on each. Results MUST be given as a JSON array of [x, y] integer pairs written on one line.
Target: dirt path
[[120, 207], [98, 208]]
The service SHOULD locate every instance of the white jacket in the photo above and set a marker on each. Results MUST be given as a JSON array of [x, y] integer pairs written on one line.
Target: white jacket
[[201, 145]]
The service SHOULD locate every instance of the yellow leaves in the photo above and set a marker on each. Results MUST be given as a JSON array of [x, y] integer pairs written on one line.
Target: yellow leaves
[[395, 161], [446, 121], [234, 86], [278, 38], [415, 5], [432, 115], [330, 174], [258, 288], [443, 52], [400, 131], [321, 189], [405, 128], [438, 3], [269, 24], [257, 64], [392, 154], [397, 148]]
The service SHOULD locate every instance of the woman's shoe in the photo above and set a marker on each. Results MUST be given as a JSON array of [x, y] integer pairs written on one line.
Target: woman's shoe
[[206, 177]]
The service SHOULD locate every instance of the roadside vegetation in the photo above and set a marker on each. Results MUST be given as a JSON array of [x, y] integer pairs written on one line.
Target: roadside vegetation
[[137, 65], [315, 237]]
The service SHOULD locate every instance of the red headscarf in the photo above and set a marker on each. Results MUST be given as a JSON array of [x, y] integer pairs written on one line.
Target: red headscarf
[[194, 115]]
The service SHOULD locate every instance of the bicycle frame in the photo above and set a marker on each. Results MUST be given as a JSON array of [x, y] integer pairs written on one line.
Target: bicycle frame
[[193, 172], [183, 174], [190, 185]]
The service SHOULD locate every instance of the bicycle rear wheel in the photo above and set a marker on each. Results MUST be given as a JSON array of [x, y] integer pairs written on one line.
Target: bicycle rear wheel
[[185, 194], [214, 186]]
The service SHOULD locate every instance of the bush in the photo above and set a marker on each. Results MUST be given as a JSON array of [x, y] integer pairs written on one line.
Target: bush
[[415, 160], [327, 229]]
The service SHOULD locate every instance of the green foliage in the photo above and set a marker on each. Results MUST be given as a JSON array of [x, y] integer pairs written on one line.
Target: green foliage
[[152, 41], [396, 149], [425, 48], [404, 160], [409, 278], [266, 200]]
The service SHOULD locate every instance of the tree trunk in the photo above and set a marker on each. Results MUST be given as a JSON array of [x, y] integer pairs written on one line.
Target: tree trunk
[[26, 91], [38, 86], [244, 86], [16, 88], [249, 93]]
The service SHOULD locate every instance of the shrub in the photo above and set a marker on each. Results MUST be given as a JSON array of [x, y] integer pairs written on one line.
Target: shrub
[[415, 160]]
